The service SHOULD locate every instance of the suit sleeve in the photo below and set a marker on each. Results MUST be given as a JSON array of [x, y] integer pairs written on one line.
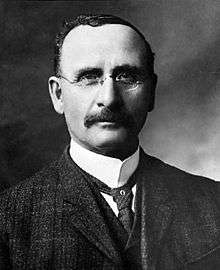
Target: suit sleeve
[[4, 255], [4, 247]]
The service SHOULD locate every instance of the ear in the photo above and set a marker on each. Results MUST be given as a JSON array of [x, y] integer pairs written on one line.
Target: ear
[[56, 94], [152, 93]]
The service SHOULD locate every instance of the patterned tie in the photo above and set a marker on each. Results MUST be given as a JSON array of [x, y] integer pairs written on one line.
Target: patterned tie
[[123, 197]]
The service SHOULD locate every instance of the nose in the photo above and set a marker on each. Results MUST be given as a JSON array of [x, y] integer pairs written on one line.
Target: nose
[[108, 95]]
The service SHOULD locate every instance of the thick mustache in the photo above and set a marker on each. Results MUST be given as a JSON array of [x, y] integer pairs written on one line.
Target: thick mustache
[[106, 115]]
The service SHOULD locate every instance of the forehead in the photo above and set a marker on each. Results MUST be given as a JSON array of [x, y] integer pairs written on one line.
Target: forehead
[[106, 44]]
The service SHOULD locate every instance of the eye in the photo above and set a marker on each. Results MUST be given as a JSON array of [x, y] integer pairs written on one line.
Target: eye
[[89, 79], [126, 77]]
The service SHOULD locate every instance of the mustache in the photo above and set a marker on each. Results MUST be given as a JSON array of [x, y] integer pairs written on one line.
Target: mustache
[[106, 115]]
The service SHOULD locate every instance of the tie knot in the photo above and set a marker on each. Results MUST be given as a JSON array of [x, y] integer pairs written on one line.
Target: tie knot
[[123, 197]]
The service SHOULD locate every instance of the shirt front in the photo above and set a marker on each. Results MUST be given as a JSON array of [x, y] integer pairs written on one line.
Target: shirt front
[[111, 171]]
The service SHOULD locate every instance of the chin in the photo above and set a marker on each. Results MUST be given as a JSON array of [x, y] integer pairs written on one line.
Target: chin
[[110, 141], [112, 136]]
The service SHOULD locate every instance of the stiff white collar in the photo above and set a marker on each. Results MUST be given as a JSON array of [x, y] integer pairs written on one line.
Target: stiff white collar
[[111, 171]]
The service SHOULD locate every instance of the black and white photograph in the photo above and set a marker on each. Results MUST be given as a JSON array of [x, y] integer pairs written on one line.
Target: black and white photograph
[[110, 135]]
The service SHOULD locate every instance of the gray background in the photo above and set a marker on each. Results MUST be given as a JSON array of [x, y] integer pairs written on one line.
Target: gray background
[[184, 128]]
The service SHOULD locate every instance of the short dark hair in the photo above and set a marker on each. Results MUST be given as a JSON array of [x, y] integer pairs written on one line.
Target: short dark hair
[[94, 21]]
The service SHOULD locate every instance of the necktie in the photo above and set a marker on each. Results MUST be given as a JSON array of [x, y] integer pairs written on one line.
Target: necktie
[[123, 197]]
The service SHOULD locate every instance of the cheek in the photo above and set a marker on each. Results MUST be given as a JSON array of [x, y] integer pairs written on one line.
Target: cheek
[[73, 108], [76, 107], [137, 104]]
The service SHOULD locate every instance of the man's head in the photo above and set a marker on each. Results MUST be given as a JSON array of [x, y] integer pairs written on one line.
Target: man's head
[[104, 83]]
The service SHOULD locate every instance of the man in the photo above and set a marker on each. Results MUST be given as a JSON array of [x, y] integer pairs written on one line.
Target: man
[[106, 204]]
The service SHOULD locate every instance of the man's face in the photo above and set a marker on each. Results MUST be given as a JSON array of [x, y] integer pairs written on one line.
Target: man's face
[[105, 117]]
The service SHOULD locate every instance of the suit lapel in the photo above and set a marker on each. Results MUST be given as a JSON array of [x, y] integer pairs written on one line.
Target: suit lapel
[[82, 209], [153, 213]]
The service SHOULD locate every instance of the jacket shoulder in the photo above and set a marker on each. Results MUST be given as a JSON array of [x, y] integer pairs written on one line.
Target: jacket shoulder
[[179, 181], [17, 203], [42, 178]]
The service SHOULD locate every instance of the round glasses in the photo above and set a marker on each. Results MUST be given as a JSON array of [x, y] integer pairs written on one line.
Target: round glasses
[[123, 80]]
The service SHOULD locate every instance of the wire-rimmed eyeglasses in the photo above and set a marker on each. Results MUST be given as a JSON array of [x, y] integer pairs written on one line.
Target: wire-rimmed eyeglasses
[[123, 80]]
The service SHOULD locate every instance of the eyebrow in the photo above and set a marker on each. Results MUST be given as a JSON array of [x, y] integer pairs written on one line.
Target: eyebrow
[[133, 69], [85, 70], [120, 68]]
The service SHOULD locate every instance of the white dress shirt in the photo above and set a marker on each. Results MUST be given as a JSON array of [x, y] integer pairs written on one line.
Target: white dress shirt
[[111, 171]]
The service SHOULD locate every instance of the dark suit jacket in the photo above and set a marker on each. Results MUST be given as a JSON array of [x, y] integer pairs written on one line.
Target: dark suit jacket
[[52, 221]]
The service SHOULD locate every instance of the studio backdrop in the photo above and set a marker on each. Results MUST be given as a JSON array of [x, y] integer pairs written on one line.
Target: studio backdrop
[[183, 129]]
